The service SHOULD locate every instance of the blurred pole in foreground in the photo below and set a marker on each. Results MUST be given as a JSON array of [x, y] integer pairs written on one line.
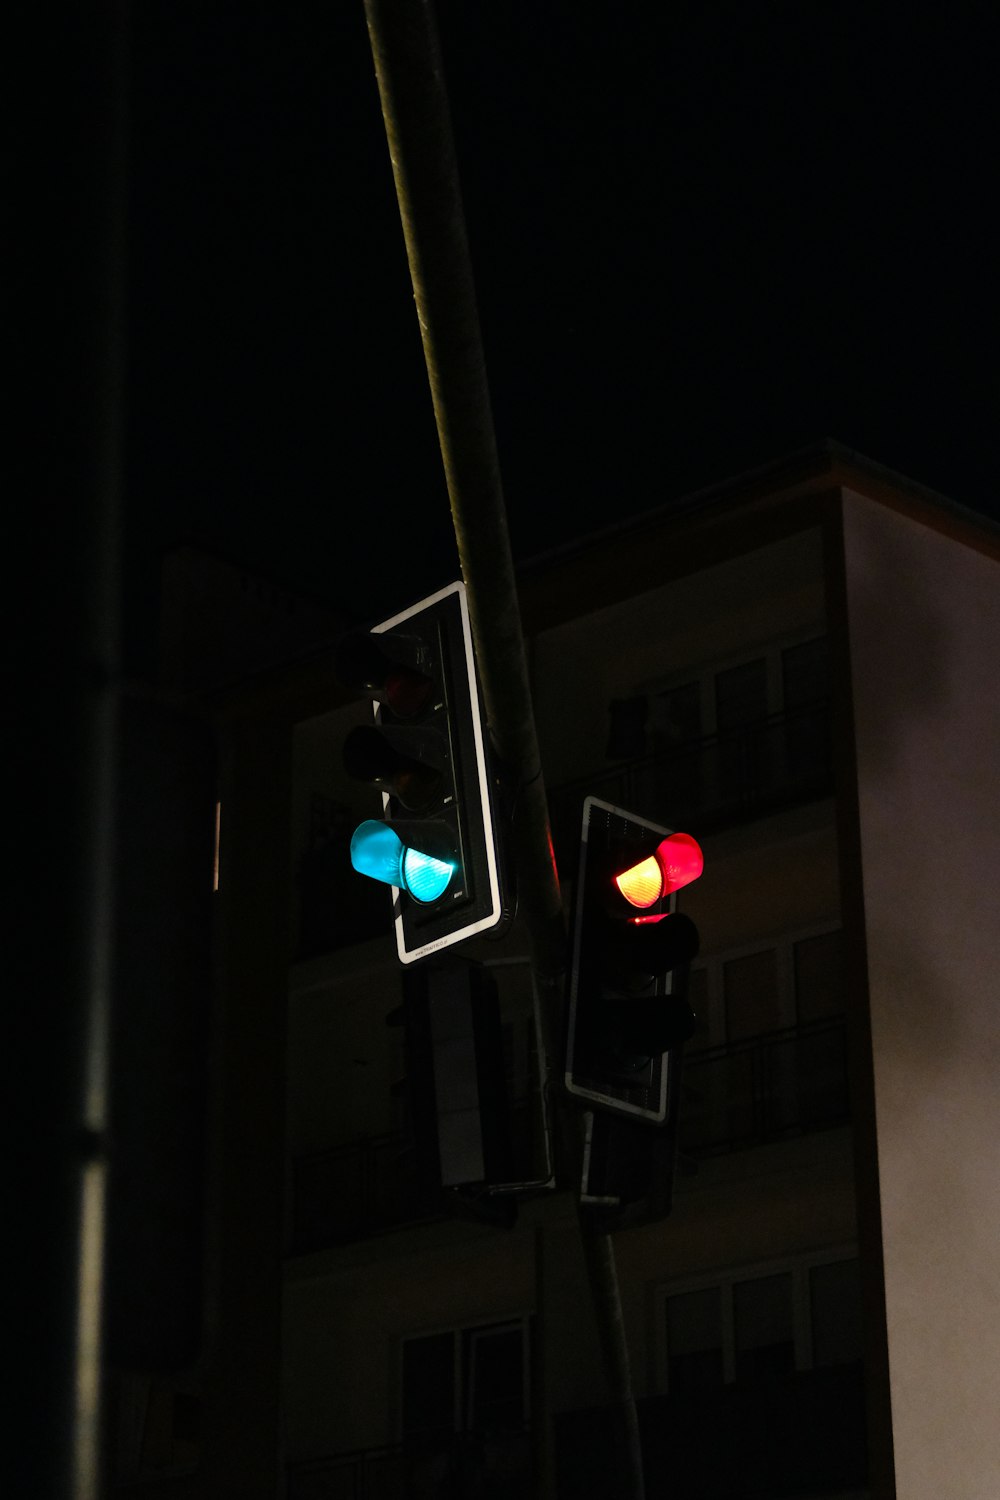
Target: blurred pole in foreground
[[66, 287]]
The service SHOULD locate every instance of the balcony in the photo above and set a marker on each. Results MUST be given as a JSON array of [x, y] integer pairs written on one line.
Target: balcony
[[798, 1437], [361, 1188], [455, 1466], [711, 782], [764, 1088], [374, 1185]]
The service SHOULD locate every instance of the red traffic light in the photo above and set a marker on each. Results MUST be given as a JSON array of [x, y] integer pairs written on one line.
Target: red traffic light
[[677, 861], [627, 1010]]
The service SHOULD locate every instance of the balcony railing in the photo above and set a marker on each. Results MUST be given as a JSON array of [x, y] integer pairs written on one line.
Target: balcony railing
[[366, 1474], [361, 1188], [766, 1088], [801, 1435], [710, 782], [465, 1466], [375, 1184]]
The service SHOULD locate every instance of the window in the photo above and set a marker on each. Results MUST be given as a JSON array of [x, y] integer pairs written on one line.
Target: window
[[694, 1339], [819, 976], [835, 1312], [429, 1386], [679, 715], [755, 751], [465, 1412], [698, 1001], [805, 674], [753, 1002], [768, 1057], [794, 980], [496, 1380], [741, 695], [805, 684], [763, 1338], [471, 1380], [762, 1324]]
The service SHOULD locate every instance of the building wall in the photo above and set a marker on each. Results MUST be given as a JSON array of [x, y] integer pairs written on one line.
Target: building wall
[[686, 625], [924, 629], [741, 1210], [347, 1313], [342, 1058], [347, 1310]]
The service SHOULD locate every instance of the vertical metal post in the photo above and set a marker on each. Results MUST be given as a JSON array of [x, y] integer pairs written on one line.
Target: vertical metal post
[[61, 715]]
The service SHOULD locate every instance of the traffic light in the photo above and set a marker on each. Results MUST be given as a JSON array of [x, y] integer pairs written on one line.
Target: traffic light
[[437, 844], [627, 1006]]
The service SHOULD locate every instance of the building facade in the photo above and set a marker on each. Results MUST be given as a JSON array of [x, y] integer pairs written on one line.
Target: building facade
[[800, 670]]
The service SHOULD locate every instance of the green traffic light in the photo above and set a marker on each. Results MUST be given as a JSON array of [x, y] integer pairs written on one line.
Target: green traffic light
[[379, 852]]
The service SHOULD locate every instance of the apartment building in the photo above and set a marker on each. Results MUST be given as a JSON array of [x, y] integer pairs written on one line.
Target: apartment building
[[799, 668]]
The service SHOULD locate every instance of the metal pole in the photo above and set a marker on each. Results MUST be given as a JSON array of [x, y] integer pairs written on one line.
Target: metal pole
[[410, 73], [415, 110], [64, 681]]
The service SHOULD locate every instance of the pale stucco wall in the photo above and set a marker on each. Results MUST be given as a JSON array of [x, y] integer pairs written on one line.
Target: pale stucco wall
[[924, 627]]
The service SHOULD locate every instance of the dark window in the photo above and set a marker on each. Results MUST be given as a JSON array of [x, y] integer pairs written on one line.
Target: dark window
[[491, 1382], [429, 1385], [698, 1001], [764, 1336], [627, 734], [679, 732], [679, 718], [494, 1361], [741, 695], [741, 706], [805, 673], [819, 976], [694, 1340], [806, 691], [835, 1307], [751, 993]]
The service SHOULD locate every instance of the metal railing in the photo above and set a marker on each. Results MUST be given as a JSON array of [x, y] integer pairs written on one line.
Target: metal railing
[[461, 1466], [764, 1088], [718, 779], [366, 1474], [798, 1435], [360, 1188], [375, 1184]]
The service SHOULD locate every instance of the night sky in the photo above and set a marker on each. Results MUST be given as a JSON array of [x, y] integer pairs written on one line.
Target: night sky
[[703, 234]]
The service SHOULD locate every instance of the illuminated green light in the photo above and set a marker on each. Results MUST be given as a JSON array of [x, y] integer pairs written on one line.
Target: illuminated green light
[[378, 852], [425, 877]]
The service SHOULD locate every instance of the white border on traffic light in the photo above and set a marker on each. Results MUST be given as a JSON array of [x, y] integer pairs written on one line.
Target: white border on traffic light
[[606, 1101], [490, 920]]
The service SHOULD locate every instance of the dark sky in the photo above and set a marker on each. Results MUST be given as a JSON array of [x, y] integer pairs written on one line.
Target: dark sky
[[702, 234]]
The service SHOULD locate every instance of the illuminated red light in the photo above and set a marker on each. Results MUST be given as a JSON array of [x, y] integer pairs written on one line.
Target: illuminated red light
[[681, 860], [678, 860]]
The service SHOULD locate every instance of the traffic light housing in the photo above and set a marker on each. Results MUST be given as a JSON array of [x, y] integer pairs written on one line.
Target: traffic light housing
[[459, 1113], [438, 843], [627, 1007]]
